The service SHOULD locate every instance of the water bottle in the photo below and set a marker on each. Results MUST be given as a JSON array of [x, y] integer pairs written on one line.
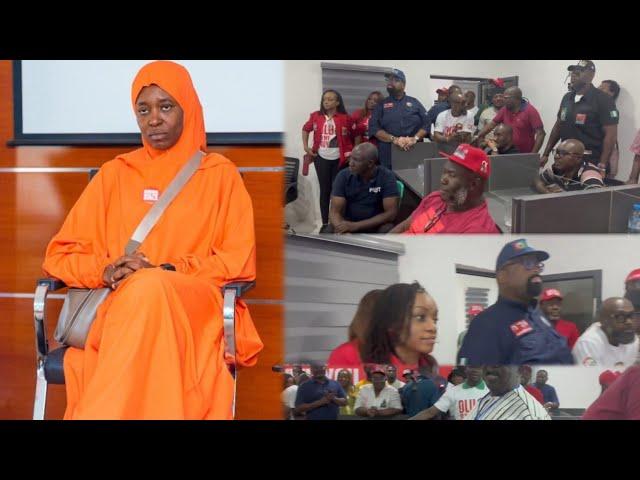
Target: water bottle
[[634, 219]]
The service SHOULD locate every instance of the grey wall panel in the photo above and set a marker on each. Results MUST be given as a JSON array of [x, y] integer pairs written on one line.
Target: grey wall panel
[[621, 206], [513, 171], [324, 283], [354, 82]]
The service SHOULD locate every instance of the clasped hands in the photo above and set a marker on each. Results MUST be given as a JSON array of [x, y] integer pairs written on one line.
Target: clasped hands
[[124, 266], [405, 143]]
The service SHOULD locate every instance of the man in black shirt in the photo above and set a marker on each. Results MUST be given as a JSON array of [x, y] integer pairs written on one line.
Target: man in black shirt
[[569, 171], [586, 114], [365, 195], [503, 144]]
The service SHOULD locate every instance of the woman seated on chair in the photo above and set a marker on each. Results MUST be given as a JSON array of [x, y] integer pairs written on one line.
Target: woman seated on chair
[[156, 349]]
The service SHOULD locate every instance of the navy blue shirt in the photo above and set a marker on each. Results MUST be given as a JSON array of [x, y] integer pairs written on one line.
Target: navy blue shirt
[[418, 396], [400, 118], [512, 333], [313, 390], [548, 393], [364, 199]]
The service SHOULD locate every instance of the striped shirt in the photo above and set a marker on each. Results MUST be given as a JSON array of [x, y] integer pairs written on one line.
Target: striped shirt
[[514, 405], [587, 177]]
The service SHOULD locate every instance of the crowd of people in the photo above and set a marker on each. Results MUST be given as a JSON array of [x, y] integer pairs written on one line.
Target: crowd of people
[[359, 191]]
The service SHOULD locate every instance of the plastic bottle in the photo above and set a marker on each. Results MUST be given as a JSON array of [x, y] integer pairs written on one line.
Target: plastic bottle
[[634, 219]]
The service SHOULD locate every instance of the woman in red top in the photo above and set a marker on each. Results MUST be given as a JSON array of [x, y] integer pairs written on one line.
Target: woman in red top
[[402, 331], [332, 128], [348, 354], [361, 120]]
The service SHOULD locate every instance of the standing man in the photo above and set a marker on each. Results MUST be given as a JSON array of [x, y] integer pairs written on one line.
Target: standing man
[[455, 124], [525, 381], [610, 340], [549, 395], [398, 120], [378, 399], [440, 107], [460, 400], [632, 293], [365, 196], [419, 394], [512, 331], [586, 114], [320, 398], [489, 113], [392, 377], [551, 306], [523, 118], [506, 400]]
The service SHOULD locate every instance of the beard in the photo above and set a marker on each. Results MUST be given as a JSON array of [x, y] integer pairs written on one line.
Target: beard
[[460, 197], [391, 91], [534, 289]]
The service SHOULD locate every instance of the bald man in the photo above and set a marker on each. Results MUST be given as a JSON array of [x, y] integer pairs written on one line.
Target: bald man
[[528, 129], [365, 196], [455, 124], [503, 143], [612, 339], [569, 171]]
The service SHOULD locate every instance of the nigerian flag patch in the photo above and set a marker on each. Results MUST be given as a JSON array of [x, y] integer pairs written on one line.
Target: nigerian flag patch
[[614, 113]]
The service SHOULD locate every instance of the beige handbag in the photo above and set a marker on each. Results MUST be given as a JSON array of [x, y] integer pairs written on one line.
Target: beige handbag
[[81, 304]]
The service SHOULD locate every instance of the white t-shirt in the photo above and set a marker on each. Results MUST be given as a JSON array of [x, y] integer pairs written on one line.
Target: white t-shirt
[[518, 404], [593, 348], [461, 399], [328, 148], [473, 111], [447, 124], [388, 398], [288, 396], [397, 384]]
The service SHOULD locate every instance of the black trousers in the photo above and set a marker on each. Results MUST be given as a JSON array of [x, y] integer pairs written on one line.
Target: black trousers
[[327, 171]]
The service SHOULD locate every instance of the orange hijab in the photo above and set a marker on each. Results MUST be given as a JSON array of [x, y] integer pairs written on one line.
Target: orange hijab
[[176, 81]]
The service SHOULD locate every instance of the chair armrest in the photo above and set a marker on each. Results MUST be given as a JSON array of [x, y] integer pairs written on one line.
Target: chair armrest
[[53, 284], [240, 287]]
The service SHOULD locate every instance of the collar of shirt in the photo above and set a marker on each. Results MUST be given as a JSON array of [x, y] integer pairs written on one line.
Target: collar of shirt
[[393, 99], [586, 95], [479, 386], [519, 305]]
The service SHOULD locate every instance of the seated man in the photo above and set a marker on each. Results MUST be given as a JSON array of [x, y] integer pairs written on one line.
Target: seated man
[[569, 171], [459, 206], [378, 399], [610, 340], [365, 195], [455, 124], [503, 143]]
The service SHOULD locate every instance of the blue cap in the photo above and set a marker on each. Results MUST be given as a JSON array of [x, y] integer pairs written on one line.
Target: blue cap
[[518, 248], [396, 73]]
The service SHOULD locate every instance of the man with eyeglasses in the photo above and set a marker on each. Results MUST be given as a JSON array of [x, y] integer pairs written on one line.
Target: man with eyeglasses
[[569, 172], [513, 331], [632, 293], [586, 114], [610, 340]]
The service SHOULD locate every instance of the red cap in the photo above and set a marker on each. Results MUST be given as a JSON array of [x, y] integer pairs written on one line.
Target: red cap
[[550, 293], [444, 91], [471, 158], [634, 275], [607, 377], [407, 371], [378, 369], [475, 310], [498, 82]]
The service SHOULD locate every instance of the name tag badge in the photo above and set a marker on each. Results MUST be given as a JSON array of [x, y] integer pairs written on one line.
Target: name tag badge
[[581, 118], [521, 327], [150, 195], [388, 105]]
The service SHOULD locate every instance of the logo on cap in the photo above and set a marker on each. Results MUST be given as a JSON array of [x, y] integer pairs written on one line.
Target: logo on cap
[[520, 245], [461, 152], [483, 166]]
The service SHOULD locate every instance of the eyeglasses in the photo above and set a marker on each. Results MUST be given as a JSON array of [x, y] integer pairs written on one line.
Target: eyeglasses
[[528, 263], [622, 317], [560, 152]]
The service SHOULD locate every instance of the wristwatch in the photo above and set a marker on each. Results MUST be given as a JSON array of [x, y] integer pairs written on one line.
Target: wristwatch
[[168, 266]]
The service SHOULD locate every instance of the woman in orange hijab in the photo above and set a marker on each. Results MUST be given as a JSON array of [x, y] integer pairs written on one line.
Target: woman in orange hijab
[[156, 348]]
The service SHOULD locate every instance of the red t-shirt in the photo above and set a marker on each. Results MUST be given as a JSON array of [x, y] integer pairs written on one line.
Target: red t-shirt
[[535, 393], [345, 355], [361, 127], [475, 220], [621, 401], [568, 330], [524, 124]]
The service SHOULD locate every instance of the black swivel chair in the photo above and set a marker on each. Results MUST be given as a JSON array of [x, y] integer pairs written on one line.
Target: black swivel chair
[[291, 169]]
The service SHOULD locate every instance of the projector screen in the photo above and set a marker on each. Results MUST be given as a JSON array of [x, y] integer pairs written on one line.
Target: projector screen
[[88, 101]]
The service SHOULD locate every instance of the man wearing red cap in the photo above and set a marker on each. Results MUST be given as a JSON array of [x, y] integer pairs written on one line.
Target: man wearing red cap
[[632, 293], [551, 306], [459, 206], [620, 401], [378, 399], [606, 378]]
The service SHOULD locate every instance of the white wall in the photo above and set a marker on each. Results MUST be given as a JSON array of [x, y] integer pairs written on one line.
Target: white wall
[[432, 263], [577, 387]]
